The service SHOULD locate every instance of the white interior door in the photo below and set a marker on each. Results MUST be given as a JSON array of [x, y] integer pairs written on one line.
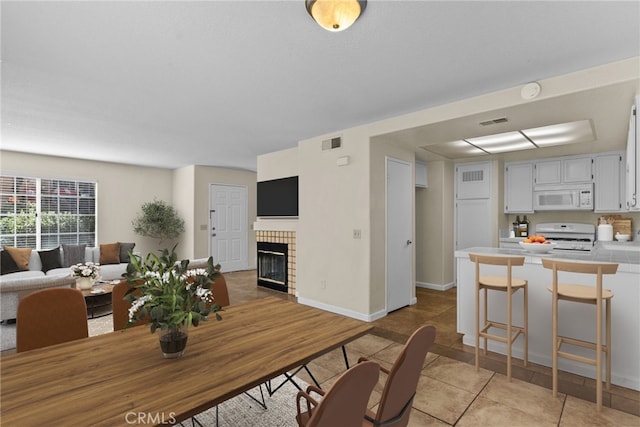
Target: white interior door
[[399, 253], [228, 223]]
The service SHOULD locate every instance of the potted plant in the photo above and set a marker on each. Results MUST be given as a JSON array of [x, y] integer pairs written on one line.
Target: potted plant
[[170, 297], [85, 274], [158, 220]]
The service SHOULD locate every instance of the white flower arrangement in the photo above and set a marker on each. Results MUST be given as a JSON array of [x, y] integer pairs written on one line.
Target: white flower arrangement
[[88, 269]]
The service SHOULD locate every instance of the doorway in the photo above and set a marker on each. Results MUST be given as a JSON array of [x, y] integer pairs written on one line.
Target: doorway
[[399, 233], [228, 224]]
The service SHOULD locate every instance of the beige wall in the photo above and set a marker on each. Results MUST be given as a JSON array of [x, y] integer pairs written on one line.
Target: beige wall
[[280, 164], [434, 226], [332, 266], [122, 189]]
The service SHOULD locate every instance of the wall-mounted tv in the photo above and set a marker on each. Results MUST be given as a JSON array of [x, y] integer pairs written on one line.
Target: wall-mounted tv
[[278, 197]]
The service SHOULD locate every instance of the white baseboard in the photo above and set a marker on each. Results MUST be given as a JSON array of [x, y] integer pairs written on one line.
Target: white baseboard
[[436, 287], [342, 311]]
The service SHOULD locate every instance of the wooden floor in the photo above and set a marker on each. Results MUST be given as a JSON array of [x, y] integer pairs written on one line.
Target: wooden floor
[[439, 309]]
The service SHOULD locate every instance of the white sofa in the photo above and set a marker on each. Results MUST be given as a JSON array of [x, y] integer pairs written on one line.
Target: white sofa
[[15, 285]]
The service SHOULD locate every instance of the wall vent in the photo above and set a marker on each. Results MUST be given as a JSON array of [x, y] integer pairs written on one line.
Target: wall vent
[[494, 121], [332, 143], [469, 176]]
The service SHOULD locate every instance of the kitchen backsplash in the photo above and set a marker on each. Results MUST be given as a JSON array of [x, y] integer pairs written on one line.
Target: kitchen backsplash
[[572, 216]]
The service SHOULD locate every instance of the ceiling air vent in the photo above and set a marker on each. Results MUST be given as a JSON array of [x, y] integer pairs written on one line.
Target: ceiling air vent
[[330, 144], [494, 121]]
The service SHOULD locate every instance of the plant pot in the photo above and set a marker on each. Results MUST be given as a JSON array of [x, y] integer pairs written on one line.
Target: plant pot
[[173, 341], [84, 283]]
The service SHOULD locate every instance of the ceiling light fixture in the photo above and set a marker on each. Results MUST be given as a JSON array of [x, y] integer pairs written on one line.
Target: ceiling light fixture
[[335, 15]]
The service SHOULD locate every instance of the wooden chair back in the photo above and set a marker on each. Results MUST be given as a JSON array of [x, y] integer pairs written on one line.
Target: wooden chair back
[[120, 306], [345, 403], [50, 316], [402, 382]]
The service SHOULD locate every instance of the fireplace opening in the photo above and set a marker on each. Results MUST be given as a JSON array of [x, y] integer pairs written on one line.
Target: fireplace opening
[[272, 266]]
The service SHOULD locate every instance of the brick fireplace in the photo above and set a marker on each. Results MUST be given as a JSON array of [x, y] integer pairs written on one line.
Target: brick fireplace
[[286, 239]]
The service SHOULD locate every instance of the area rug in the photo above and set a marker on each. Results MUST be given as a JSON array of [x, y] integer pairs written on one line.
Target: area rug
[[242, 411]]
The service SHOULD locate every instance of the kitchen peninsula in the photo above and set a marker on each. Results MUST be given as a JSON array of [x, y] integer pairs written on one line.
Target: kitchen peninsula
[[578, 320]]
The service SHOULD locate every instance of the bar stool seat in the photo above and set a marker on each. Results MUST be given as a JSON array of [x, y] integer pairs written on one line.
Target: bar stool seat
[[594, 295], [509, 285]]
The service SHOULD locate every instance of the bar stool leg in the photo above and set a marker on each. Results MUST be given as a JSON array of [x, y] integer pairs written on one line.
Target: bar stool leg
[[609, 344], [486, 310], [477, 326], [526, 324], [509, 334], [599, 355], [554, 354]]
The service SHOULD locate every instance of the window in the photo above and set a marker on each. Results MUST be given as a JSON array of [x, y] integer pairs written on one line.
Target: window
[[45, 213]]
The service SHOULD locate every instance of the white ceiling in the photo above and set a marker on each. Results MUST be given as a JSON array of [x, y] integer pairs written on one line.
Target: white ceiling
[[171, 84]]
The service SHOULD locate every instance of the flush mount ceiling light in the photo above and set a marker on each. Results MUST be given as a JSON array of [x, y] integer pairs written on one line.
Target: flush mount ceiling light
[[335, 15], [546, 136]]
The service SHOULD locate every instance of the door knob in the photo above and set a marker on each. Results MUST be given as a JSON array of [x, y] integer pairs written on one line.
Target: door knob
[[213, 234], [409, 242]]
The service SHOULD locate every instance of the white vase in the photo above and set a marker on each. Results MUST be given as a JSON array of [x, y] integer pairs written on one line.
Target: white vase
[[84, 283]]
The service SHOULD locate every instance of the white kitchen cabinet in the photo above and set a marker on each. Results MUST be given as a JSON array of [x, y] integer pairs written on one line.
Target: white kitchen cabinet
[[421, 175], [633, 160], [577, 170], [518, 187], [548, 172], [609, 194], [565, 170]]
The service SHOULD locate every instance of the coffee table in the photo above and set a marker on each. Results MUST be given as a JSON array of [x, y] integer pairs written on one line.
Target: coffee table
[[98, 299]]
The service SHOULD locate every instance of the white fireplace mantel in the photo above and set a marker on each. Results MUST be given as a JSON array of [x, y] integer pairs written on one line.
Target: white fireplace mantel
[[283, 224]]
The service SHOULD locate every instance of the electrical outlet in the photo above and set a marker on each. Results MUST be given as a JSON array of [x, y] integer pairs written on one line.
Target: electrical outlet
[[357, 233]]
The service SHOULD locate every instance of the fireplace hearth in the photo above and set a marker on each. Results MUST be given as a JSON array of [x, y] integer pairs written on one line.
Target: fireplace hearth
[[272, 266]]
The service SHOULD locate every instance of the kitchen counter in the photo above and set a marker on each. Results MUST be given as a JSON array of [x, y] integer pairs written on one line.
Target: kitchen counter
[[576, 320]]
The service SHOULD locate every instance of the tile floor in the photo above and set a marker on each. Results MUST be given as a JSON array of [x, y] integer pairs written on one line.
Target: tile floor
[[450, 391]]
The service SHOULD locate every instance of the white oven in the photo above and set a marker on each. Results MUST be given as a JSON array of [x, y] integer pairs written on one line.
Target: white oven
[[563, 197]]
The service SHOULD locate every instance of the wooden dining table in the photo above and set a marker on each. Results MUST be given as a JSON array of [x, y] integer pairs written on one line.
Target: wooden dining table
[[112, 379]]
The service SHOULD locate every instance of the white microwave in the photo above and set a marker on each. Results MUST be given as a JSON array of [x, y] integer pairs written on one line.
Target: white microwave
[[563, 197]]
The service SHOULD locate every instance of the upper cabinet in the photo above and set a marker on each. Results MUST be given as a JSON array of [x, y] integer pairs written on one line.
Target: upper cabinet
[[564, 171], [609, 194], [518, 187], [421, 175]]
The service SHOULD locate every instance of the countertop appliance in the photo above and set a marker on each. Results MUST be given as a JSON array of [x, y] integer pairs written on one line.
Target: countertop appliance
[[569, 236], [563, 197]]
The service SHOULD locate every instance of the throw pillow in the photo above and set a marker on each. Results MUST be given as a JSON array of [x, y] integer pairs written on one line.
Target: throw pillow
[[8, 265], [50, 259], [20, 256], [125, 248], [73, 254], [110, 253]]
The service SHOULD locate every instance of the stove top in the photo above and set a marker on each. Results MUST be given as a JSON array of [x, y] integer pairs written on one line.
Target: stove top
[[569, 236]]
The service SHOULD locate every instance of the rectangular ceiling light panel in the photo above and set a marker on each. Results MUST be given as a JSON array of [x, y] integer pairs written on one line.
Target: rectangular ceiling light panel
[[563, 133], [454, 149], [501, 142]]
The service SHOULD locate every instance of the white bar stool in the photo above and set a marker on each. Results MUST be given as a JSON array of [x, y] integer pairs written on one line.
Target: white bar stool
[[510, 285], [588, 295]]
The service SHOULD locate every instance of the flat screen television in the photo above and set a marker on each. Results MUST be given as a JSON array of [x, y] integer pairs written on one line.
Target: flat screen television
[[278, 197]]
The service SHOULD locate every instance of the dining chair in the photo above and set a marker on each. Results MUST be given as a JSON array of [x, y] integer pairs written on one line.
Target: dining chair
[[50, 316], [402, 381], [508, 284], [586, 294], [120, 306], [344, 404]]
